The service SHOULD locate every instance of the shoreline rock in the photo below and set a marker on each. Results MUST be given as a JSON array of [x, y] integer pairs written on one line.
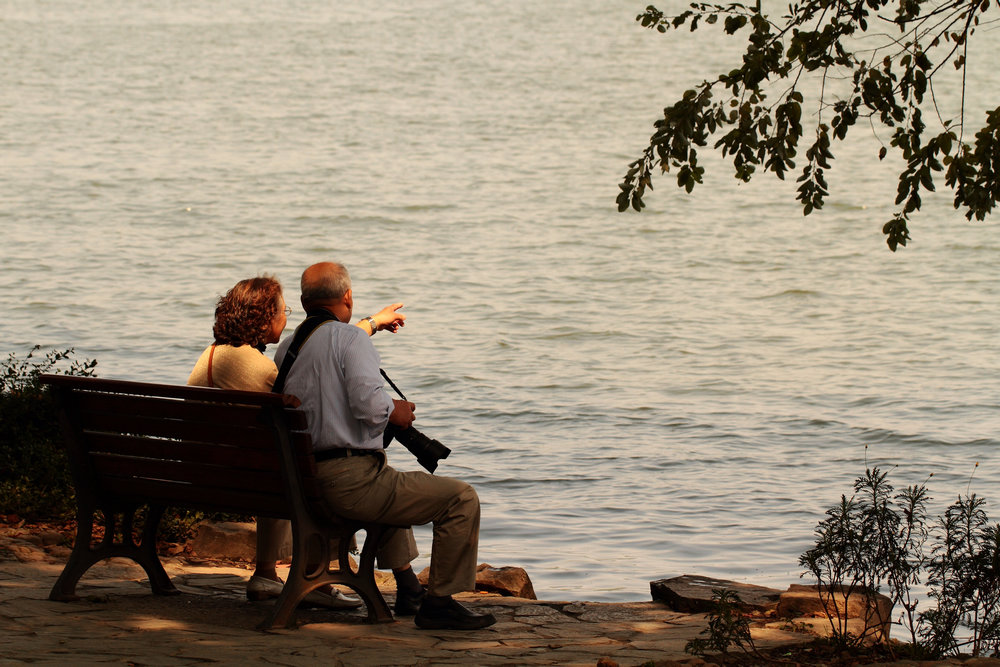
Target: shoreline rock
[[800, 605], [692, 593]]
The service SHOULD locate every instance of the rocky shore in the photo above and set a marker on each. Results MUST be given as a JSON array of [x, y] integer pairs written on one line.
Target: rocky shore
[[119, 621]]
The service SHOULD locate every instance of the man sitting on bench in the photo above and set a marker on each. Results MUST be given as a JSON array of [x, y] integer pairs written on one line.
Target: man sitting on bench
[[336, 376]]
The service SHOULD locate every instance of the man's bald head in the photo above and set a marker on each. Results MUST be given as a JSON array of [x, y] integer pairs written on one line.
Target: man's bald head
[[325, 284]]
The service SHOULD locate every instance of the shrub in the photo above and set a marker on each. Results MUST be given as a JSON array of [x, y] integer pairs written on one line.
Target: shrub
[[964, 579], [35, 482], [875, 539], [728, 625], [869, 539]]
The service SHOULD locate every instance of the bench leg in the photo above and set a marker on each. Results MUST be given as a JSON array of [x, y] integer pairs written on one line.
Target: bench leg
[[300, 583], [364, 581], [84, 555], [145, 552]]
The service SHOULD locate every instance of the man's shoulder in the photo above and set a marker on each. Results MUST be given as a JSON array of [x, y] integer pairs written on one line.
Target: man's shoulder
[[332, 333], [339, 330]]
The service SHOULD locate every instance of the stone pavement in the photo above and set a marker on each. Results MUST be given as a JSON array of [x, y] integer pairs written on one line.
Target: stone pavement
[[118, 620]]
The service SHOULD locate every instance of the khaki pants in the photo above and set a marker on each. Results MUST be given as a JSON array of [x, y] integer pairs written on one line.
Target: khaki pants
[[366, 488]]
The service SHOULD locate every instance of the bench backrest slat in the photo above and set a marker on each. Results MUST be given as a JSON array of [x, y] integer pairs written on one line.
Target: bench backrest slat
[[180, 450], [165, 407], [140, 491], [122, 387], [200, 476], [253, 436]]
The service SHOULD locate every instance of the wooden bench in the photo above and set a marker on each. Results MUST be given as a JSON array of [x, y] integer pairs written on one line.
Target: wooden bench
[[134, 445]]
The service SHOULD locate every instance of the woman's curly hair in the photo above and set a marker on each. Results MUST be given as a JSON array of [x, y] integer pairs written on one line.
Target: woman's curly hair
[[244, 315]]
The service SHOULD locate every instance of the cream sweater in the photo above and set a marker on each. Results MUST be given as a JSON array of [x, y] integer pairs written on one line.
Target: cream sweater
[[242, 367]]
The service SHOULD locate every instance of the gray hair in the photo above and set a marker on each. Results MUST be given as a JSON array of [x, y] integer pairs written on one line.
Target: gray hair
[[330, 285]]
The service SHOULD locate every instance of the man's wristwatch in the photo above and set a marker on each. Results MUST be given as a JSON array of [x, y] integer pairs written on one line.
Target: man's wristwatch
[[371, 323]]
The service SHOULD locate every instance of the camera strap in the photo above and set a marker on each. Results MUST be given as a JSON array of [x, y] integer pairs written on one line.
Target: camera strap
[[392, 384], [312, 322]]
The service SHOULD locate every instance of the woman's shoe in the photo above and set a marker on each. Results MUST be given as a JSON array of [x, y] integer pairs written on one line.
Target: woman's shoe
[[261, 588], [332, 600]]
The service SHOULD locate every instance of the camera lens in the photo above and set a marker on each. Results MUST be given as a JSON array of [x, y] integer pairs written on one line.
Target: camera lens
[[428, 451]]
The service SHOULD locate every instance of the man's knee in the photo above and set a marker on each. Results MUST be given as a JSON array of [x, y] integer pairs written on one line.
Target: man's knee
[[466, 501], [455, 498]]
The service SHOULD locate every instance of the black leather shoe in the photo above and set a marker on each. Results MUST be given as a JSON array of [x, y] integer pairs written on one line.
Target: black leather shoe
[[450, 615], [408, 603]]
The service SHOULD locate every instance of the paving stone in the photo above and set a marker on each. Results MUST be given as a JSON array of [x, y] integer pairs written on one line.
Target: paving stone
[[468, 645], [577, 657], [664, 645], [562, 631], [536, 610]]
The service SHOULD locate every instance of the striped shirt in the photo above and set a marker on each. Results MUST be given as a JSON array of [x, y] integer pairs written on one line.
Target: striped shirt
[[336, 376]]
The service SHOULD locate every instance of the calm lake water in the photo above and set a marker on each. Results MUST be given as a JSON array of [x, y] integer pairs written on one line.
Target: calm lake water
[[635, 396]]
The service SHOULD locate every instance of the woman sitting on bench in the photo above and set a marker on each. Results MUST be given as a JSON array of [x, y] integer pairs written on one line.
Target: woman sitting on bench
[[249, 317]]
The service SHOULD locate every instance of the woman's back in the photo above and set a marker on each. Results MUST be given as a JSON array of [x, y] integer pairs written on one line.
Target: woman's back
[[229, 367]]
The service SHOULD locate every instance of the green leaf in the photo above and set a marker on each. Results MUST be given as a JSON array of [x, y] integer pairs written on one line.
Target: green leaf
[[622, 201], [925, 179], [734, 23]]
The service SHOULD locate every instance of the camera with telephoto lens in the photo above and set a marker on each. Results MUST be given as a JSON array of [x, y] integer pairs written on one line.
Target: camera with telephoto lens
[[427, 450]]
